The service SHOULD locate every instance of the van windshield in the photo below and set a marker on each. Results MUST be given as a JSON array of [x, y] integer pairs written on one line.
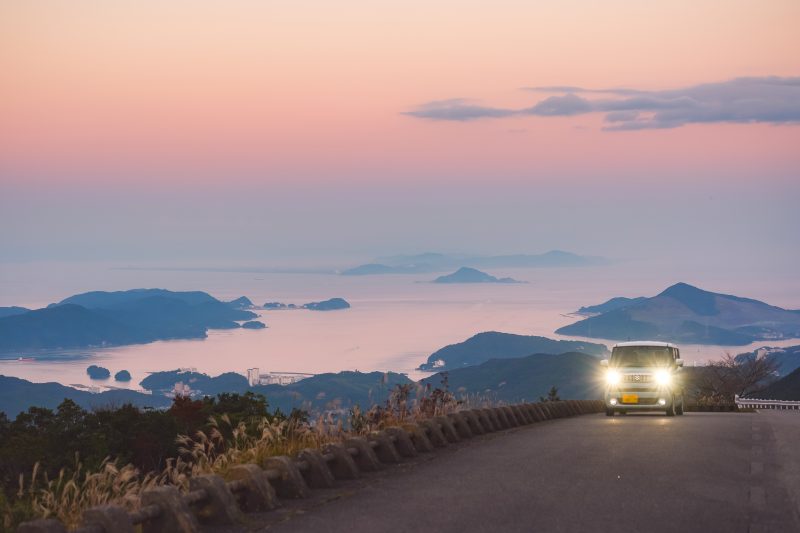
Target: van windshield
[[641, 356]]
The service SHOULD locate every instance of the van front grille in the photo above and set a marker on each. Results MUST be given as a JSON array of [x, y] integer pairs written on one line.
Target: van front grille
[[637, 378]]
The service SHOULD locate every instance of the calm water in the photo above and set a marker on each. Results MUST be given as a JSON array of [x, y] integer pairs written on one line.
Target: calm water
[[395, 321]]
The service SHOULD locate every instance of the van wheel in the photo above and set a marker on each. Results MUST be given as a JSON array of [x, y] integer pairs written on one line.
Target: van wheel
[[671, 408], [679, 409], [609, 412]]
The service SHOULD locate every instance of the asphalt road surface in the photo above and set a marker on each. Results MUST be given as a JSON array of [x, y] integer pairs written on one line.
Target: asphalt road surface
[[704, 472]]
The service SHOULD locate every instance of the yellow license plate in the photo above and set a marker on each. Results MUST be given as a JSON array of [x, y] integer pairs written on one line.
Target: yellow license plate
[[630, 398]]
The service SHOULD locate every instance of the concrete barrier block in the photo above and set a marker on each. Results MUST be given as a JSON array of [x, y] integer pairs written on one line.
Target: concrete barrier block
[[522, 416], [500, 413], [486, 420], [474, 421], [492, 415], [510, 416], [48, 525], [317, 475], [290, 483], [366, 459], [418, 435], [343, 465], [402, 441], [434, 433], [259, 495], [175, 515], [385, 450], [448, 429], [461, 425], [220, 506], [533, 412], [108, 518]]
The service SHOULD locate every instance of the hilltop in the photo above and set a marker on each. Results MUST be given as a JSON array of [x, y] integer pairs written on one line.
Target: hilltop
[[687, 314], [495, 345], [472, 275]]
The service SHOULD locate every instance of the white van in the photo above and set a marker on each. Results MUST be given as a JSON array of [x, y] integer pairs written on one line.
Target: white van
[[644, 376]]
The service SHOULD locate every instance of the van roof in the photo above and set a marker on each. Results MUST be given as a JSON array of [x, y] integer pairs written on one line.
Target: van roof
[[646, 343]]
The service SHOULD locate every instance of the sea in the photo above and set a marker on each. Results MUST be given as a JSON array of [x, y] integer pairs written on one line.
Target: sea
[[394, 324]]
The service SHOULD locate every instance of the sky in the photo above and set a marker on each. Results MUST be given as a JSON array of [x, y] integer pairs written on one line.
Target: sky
[[276, 132]]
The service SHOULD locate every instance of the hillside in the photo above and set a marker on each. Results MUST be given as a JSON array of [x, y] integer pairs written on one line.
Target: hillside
[[10, 311], [686, 314], [118, 318], [65, 326], [471, 275], [17, 395], [333, 391], [527, 378], [787, 358], [163, 382], [614, 303], [786, 388], [495, 345]]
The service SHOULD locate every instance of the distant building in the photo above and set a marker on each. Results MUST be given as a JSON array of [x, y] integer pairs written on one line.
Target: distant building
[[181, 389], [255, 377]]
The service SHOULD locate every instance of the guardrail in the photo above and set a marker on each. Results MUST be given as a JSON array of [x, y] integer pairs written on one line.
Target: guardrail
[[754, 403], [212, 500]]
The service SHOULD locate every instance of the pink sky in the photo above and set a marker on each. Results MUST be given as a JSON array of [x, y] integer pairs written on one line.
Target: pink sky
[[315, 91]]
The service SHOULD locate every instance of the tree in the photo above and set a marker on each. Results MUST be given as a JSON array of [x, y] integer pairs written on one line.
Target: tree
[[552, 395], [722, 380]]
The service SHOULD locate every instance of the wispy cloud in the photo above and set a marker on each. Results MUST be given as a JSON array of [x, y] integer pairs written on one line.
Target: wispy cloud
[[772, 100]]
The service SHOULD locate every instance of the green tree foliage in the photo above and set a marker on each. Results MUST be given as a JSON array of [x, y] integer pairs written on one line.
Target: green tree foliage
[[145, 438]]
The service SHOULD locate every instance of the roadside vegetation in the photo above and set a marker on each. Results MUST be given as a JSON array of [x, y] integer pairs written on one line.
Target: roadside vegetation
[[57, 463]]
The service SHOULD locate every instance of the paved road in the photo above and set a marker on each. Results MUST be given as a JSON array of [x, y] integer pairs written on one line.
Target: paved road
[[709, 472]]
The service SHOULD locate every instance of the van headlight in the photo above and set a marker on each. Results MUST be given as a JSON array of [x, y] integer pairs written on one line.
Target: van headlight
[[663, 377], [612, 377]]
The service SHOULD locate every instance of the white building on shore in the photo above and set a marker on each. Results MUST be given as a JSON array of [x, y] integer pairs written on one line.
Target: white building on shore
[[255, 377]]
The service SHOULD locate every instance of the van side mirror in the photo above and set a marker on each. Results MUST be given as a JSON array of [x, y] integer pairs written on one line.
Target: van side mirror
[[604, 362], [679, 362]]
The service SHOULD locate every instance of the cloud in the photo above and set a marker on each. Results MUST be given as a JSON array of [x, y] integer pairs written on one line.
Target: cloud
[[457, 109], [772, 100]]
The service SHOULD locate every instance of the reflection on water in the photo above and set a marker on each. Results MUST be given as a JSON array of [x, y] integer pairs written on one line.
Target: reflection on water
[[394, 322]]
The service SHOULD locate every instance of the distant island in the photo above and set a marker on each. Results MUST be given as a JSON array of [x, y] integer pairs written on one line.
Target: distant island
[[122, 375], [495, 345], [325, 305], [687, 314], [437, 262], [254, 324], [328, 305], [137, 316], [279, 305], [98, 372], [472, 275]]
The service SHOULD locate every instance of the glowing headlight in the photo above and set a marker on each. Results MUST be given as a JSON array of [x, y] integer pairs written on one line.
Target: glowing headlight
[[612, 377], [663, 377]]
